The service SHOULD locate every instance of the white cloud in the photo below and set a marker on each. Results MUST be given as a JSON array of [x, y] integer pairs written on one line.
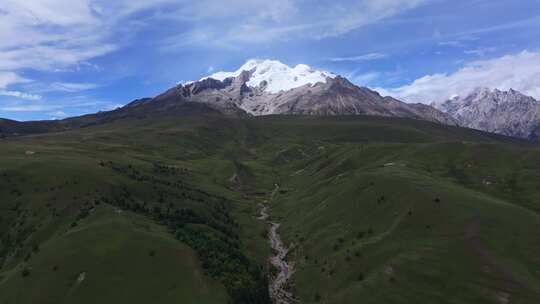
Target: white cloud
[[452, 43], [364, 57], [340, 17], [76, 103], [29, 108], [55, 34], [49, 57], [72, 87], [480, 51], [58, 114], [366, 78], [518, 71], [20, 95], [261, 21], [276, 10], [113, 106], [9, 78]]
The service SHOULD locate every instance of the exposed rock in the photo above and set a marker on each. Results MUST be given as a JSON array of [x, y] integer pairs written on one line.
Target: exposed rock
[[504, 112], [310, 93]]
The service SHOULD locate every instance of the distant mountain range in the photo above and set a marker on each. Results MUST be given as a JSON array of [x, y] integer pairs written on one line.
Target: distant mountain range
[[509, 113], [269, 87]]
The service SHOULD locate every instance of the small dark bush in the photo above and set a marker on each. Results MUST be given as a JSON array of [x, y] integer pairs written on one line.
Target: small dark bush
[[25, 273]]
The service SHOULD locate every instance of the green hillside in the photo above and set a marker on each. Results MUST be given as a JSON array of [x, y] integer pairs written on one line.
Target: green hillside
[[163, 210]]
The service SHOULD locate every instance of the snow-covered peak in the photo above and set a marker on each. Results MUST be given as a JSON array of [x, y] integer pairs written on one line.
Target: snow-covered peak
[[489, 95], [275, 75], [481, 95]]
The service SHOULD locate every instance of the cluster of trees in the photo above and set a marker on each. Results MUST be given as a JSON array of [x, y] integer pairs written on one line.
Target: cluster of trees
[[216, 244], [223, 260], [12, 242], [210, 230], [163, 169]]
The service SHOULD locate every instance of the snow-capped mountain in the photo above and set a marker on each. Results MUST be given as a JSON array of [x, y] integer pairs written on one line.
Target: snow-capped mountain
[[273, 76], [504, 112], [265, 87]]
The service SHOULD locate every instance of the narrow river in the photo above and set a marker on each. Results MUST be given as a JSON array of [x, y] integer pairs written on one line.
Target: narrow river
[[279, 284]]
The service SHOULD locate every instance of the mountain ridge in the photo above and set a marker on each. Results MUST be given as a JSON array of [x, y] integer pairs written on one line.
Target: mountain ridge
[[311, 93], [508, 113]]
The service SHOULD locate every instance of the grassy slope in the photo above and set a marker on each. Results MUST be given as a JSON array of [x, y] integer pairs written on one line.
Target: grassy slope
[[441, 222], [125, 257], [449, 221]]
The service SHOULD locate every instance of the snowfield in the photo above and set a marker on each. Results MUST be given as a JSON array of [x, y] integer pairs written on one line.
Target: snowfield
[[275, 76]]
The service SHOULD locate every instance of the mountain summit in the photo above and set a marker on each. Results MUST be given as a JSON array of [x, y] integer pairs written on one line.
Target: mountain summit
[[273, 76], [505, 112]]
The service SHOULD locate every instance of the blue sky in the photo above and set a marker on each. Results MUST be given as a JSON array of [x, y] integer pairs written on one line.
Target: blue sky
[[62, 58]]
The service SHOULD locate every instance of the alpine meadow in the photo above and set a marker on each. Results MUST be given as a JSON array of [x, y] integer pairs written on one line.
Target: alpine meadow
[[405, 170]]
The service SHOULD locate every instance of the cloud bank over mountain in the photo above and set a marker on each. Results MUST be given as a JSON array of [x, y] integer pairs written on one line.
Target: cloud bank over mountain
[[519, 72]]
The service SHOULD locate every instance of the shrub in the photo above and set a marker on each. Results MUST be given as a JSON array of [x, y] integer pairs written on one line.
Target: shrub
[[25, 273]]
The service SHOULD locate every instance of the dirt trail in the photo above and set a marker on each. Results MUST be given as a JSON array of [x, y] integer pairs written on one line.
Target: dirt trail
[[279, 284]]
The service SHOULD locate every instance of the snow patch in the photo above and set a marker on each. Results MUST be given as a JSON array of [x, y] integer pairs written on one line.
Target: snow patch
[[275, 76]]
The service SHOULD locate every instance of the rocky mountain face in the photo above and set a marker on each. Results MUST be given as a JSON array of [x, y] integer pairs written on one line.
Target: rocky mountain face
[[504, 112], [270, 87]]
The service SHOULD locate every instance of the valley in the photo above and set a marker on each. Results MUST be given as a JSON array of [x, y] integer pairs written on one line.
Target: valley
[[379, 209], [279, 283]]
